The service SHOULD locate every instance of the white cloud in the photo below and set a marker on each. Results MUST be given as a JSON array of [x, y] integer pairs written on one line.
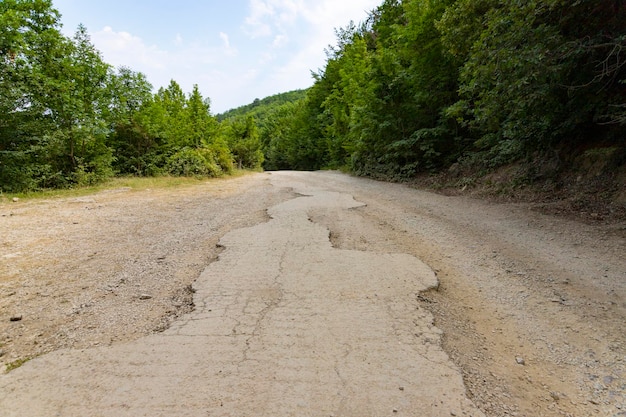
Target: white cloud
[[255, 24], [313, 32], [224, 38], [287, 10], [186, 62], [280, 41], [227, 47], [122, 48], [331, 13], [327, 15], [289, 38], [266, 57], [267, 17]]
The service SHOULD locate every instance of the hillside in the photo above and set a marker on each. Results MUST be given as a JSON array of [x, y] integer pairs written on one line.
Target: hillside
[[259, 108]]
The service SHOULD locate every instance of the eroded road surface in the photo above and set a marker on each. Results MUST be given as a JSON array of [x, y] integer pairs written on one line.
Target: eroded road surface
[[353, 298], [284, 325]]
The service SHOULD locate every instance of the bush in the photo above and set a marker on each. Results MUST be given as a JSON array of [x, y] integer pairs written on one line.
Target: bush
[[221, 156], [95, 170], [190, 162]]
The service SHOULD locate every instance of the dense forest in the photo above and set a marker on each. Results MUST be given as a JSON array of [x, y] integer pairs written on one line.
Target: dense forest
[[425, 84], [420, 86]]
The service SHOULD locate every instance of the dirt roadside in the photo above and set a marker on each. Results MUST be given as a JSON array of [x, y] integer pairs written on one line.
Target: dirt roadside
[[113, 266], [532, 307]]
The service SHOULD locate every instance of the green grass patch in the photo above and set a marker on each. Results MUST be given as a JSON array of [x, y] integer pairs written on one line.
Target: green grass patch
[[134, 183], [16, 364]]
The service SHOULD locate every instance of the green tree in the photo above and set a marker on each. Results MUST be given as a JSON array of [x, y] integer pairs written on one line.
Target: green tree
[[535, 75], [173, 102], [348, 71], [26, 27], [275, 136], [295, 140], [131, 119], [399, 127], [186, 135], [259, 109], [52, 132], [243, 139], [203, 127], [79, 111]]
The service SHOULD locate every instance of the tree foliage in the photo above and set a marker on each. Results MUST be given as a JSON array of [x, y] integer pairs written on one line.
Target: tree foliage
[[417, 86], [259, 108], [424, 83], [68, 118]]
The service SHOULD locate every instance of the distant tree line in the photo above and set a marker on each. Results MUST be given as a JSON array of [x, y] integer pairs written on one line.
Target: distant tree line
[[422, 84], [68, 118], [259, 108]]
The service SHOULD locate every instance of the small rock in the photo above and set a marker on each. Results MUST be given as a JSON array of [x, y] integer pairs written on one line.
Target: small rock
[[401, 388], [520, 360], [17, 317], [15, 199], [395, 410], [1, 353], [608, 380], [145, 297]]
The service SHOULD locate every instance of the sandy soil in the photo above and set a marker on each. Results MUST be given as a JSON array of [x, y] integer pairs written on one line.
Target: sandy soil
[[532, 307]]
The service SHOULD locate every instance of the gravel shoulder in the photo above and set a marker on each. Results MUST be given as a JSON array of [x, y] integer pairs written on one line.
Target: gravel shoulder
[[532, 307]]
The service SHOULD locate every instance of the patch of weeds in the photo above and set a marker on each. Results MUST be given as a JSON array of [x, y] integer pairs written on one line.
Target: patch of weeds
[[437, 185], [16, 364], [465, 182]]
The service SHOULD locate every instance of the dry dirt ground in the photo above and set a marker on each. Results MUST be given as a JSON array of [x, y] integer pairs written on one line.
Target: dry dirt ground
[[112, 266], [532, 307]]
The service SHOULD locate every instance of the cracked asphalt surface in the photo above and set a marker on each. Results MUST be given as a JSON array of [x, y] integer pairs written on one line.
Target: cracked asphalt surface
[[314, 296], [285, 324]]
